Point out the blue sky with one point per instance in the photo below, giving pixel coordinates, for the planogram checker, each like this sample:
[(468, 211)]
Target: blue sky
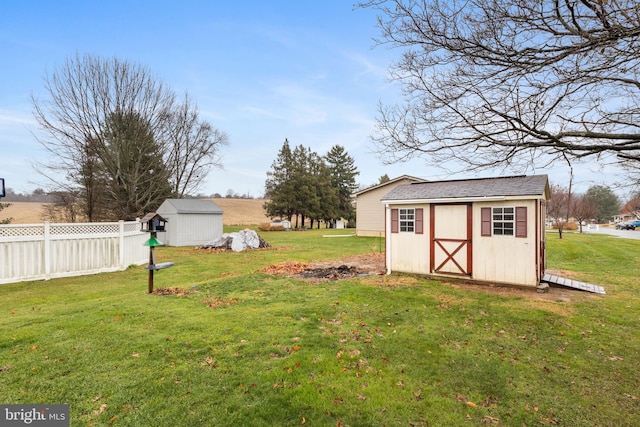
[(261, 71)]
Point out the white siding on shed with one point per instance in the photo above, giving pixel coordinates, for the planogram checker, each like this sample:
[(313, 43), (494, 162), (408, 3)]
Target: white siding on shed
[(410, 251), (452, 241), (190, 222), (505, 259)]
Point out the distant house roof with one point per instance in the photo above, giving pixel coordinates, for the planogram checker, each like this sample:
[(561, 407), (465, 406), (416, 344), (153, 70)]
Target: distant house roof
[(188, 206), (391, 181), (512, 186)]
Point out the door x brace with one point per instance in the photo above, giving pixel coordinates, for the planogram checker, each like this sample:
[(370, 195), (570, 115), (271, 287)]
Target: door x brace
[(451, 255)]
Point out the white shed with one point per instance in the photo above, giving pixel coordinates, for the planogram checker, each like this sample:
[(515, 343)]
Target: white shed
[(487, 230), (190, 222)]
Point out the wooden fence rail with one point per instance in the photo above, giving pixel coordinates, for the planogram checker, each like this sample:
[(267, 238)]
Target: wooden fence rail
[(46, 251)]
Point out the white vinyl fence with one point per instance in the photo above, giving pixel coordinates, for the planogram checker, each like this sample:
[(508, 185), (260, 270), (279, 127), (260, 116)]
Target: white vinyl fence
[(47, 251)]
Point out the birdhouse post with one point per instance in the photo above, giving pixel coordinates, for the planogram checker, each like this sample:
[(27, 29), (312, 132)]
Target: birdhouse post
[(152, 223)]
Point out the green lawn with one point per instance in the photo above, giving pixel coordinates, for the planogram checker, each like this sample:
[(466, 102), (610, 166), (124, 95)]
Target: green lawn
[(378, 351)]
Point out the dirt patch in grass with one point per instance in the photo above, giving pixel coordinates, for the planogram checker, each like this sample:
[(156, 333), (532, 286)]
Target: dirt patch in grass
[(344, 268), (373, 265), (368, 263)]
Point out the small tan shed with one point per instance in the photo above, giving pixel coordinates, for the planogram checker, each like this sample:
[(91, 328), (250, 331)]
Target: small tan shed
[(369, 211), (486, 230)]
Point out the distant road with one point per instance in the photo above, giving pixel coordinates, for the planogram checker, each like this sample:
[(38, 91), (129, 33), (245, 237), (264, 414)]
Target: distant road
[(626, 234)]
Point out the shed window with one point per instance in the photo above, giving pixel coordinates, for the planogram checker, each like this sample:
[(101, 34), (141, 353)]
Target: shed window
[(503, 221), (407, 220)]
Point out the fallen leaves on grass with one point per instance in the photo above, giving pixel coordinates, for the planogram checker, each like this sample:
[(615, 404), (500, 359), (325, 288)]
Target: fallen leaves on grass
[(287, 268), (217, 302), (489, 401), (172, 291), (286, 351), (391, 281), (210, 362), (226, 274), (100, 410)]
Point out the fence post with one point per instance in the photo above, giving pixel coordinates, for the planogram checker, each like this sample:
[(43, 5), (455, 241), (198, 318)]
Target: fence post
[(121, 240), (47, 250)]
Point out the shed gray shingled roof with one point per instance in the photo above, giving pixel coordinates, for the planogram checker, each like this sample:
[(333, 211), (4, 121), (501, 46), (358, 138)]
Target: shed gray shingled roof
[(534, 185)]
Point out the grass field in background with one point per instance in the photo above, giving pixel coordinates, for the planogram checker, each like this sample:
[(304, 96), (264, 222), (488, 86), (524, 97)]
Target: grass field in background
[(240, 347)]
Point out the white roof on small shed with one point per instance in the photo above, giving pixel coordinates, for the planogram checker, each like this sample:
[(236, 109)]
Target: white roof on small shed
[(189, 206)]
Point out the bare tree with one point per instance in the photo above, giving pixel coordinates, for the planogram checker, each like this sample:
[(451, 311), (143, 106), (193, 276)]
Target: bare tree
[(110, 128), (84, 94), (558, 206), (6, 220), (64, 208), (504, 82), (633, 205), (193, 148), (583, 209)]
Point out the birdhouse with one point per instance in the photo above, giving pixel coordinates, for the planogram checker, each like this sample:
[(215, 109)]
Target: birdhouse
[(152, 222)]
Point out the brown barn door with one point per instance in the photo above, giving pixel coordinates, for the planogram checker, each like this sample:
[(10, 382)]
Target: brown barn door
[(451, 239)]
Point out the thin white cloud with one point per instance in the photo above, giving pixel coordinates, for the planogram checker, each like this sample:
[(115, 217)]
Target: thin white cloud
[(263, 112), (10, 119), (366, 66)]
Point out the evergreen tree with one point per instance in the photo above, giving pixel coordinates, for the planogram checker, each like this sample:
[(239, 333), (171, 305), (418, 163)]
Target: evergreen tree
[(138, 180), (343, 175), (279, 186), (305, 195), (326, 201), (309, 186)]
